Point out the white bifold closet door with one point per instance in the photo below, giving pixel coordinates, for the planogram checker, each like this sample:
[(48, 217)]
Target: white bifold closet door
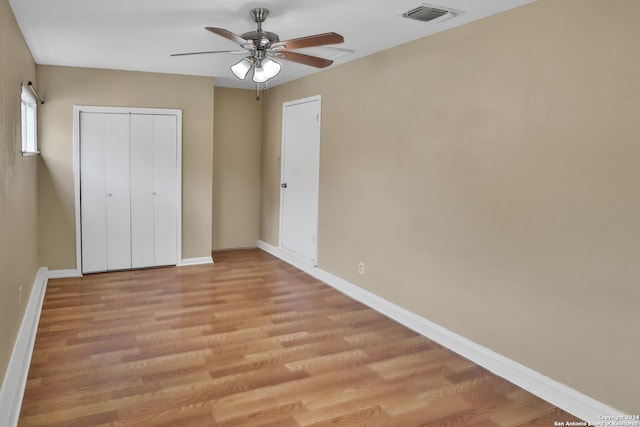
[(105, 197), (128, 191), (153, 190)]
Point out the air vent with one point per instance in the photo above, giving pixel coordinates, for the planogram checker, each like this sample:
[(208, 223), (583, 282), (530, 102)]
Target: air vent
[(426, 13)]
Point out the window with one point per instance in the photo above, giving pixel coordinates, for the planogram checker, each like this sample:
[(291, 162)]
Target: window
[(29, 122)]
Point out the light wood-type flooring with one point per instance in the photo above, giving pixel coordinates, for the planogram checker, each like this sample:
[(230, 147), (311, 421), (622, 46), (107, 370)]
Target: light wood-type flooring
[(249, 341)]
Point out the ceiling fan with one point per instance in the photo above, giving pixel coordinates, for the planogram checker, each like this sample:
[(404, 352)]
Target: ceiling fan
[(262, 47)]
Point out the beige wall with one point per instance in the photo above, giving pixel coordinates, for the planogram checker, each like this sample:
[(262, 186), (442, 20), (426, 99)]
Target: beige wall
[(18, 191), (236, 168), (65, 87), (488, 177)]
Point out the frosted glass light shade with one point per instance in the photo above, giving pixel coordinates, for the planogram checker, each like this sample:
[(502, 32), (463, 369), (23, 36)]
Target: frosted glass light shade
[(241, 68), (267, 69)]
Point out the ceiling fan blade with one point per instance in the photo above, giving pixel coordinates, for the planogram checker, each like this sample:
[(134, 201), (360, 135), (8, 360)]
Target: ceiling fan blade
[(209, 51), (228, 35), (309, 41), (314, 61)]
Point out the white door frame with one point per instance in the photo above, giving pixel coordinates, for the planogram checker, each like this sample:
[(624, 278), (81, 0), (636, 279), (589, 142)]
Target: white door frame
[(318, 98), (77, 109)]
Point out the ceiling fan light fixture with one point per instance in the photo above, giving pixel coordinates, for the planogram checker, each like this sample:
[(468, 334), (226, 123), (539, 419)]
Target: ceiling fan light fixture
[(265, 70), (240, 69), (261, 46)]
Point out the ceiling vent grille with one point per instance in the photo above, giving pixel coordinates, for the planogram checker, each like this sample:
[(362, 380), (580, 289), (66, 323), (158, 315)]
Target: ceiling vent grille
[(426, 13)]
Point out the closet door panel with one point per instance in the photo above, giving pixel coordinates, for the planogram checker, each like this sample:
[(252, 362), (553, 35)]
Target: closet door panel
[(104, 191), (93, 209), (165, 189), (142, 189), (117, 181)]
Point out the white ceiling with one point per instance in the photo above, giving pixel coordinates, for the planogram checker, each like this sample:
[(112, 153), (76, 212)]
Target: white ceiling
[(139, 35)]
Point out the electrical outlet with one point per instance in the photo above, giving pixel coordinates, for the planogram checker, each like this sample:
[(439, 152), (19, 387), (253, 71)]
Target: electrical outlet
[(360, 268), (20, 295)]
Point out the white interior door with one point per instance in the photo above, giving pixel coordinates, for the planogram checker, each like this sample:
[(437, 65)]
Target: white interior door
[(300, 177), (104, 189)]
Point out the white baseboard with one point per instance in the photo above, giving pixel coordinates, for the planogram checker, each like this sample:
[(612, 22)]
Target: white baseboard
[(558, 394), (15, 380), (196, 261), (71, 273), (64, 274)]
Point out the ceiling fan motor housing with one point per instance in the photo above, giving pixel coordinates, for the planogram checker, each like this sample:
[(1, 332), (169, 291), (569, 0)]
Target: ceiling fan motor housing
[(261, 39)]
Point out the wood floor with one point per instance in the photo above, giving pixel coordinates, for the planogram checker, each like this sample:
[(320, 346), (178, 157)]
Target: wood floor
[(249, 341)]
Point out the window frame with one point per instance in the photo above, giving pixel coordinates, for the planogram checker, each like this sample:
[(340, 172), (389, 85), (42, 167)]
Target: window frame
[(28, 121)]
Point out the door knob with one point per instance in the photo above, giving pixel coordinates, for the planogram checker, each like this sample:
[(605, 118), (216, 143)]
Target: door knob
[(283, 185)]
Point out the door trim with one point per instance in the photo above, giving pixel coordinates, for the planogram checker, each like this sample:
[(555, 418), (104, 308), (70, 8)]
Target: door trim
[(313, 262), (77, 109)]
